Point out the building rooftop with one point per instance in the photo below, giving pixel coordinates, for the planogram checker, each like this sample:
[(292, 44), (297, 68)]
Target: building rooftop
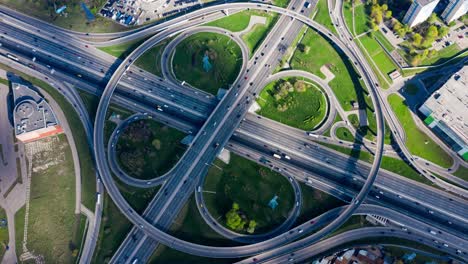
[(424, 2), (31, 111), (449, 104)]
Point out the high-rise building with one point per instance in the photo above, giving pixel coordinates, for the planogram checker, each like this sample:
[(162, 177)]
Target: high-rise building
[(446, 112), (454, 10), (419, 11)]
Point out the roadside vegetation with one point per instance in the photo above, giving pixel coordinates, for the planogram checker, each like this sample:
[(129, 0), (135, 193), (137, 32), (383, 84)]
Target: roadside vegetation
[(388, 163), (151, 60), (315, 203), (313, 52), (75, 18), (231, 192), (223, 54), (417, 141), (239, 21), (4, 240), (462, 173), (190, 226), (257, 34), (52, 218), (115, 226), (147, 149), (322, 15), (344, 134), (296, 102)]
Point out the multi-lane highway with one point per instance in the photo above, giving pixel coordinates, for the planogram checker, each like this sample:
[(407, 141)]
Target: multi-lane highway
[(192, 114)]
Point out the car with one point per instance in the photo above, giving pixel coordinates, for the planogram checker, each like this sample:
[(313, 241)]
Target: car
[(312, 222), (300, 230), (86, 46), (215, 145), (245, 78)]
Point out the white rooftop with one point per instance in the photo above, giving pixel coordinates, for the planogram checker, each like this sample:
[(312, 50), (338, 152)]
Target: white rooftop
[(450, 103)]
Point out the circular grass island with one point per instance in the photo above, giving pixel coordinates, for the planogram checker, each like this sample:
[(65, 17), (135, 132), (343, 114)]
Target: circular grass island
[(147, 149), (207, 61), (296, 102), (251, 187)]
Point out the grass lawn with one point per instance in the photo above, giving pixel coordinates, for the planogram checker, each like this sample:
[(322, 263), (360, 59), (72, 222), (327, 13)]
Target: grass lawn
[(88, 180), (411, 88), (123, 50), (237, 21), (223, 53), (251, 186), (384, 41), (257, 34), (417, 141), (190, 226), (323, 16), (344, 134), (151, 60), (388, 163), (115, 226), (114, 229), (337, 119), (52, 219), (147, 149), (306, 111), (443, 55), (281, 3), (354, 222), (378, 55), (315, 203), (345, 85), (361, 19), (462, 173), (75, 20), (3, 233)]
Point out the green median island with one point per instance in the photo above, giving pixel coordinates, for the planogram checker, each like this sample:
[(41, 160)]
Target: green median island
[(207, 61), (247, 197), (147, 149), (295, 102)]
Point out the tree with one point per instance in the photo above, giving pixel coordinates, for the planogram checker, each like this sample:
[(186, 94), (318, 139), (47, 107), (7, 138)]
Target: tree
[(300, 86), (416, 59), (233, 219), (417, 38), (443, 31), (251, 228), (388, 14), (432, 18), (301, 47), (397, 25), (432, 32), (432, 53), (384, 7)]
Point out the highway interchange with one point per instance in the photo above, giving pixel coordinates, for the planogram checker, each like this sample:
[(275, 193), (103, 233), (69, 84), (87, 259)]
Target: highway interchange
[(190, 120)]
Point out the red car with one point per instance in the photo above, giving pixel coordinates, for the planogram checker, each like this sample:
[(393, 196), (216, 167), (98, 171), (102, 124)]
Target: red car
[(245, 78), (312, 222)]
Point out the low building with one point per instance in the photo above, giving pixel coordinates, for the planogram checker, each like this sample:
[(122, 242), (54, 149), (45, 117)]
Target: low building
[(419, 11), (446, 112), (454, 10), (33, 117)]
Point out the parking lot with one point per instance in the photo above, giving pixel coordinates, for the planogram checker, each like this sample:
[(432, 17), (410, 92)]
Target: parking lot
[(137, 12)]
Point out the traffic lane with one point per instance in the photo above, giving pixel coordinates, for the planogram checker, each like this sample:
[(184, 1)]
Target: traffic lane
[(347, 165)]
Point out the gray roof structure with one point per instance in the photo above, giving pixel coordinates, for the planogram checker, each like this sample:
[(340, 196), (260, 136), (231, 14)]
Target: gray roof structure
[(450, 104), (31, 111)]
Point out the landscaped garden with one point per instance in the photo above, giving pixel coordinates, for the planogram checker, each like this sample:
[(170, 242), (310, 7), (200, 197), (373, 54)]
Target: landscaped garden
[(147, 149), (207, 61), (243, 188), (296, 102)]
